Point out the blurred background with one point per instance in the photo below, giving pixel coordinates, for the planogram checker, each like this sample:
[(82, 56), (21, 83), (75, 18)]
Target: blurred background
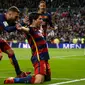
[(68, 17)]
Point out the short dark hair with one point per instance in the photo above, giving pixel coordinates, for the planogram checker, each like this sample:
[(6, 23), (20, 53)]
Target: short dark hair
[(42, 1), (33, 16), (14, 9)]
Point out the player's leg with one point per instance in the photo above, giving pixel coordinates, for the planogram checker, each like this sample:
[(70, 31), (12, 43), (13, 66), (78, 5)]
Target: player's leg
[(39, 78), (12, 80), (42, 72), (39, 71), (8, 50), (1, 54), (48, 72)]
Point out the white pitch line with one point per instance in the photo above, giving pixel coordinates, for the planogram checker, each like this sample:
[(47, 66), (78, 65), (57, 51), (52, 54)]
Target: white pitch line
[(67, 56), (61, 79), (77, 80), (70, 58)]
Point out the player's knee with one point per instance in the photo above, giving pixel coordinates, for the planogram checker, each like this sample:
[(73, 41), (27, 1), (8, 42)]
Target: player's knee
[(39, 79)]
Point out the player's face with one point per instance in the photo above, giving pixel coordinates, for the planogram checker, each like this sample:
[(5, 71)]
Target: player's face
[(13, 16), (42, 6), (39, 21)]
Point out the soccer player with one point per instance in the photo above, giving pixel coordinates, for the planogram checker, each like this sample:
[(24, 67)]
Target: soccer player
[(42, 9), (7, 23), (40, 55)]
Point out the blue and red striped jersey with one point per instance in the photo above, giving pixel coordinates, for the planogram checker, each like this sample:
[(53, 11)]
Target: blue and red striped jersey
[(47, 21), (38, 45), (47, 18)]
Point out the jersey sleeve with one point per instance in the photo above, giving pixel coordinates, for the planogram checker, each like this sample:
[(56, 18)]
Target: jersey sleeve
[(6, 26)]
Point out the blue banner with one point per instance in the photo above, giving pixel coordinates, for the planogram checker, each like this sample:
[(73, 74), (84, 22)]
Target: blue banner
[(61, 45)]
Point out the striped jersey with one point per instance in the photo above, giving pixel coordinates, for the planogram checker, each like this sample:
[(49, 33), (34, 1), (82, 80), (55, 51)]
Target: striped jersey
[(48, 21), (38, 45)]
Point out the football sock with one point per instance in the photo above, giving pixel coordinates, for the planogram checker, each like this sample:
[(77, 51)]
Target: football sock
[(15, 63), (23, 80)]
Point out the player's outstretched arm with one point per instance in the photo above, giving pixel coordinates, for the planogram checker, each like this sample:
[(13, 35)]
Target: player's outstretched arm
[(22, 28), (25, 29)]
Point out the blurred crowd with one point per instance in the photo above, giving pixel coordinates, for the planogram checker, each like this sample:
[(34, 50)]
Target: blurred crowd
[(69, 23), (34, 3), (19, 3)]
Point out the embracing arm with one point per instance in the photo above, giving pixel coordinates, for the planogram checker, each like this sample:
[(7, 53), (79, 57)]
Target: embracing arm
[(25, 29), (5, 26), (21, 28), (10, 28)]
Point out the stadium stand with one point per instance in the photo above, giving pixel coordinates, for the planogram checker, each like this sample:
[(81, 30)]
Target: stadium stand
[(69, 22)]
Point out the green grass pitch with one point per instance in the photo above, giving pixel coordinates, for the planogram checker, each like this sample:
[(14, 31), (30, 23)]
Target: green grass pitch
[(67, 66)]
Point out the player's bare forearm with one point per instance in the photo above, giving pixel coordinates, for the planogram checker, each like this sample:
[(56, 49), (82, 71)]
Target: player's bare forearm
[(22, 28), (25, 29)]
